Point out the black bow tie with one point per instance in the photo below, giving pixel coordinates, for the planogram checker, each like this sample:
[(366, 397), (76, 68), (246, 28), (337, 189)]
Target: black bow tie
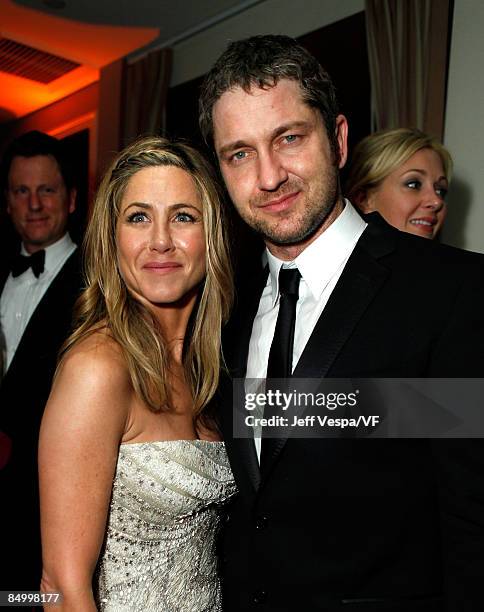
[(21, 263)]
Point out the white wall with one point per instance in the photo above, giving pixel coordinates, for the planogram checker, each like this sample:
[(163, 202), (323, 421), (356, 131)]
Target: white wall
[(195, 56), (464, 127)]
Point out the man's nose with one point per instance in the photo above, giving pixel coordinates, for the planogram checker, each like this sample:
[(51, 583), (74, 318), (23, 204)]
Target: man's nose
[(35, 201), (161, 239), (272, 172)]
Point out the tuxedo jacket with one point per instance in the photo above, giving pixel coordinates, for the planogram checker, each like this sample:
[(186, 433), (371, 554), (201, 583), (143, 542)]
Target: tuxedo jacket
[(23, 394), (376, 525)]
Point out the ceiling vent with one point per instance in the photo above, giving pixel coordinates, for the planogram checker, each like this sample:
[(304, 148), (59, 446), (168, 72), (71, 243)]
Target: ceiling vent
[(30, 63)]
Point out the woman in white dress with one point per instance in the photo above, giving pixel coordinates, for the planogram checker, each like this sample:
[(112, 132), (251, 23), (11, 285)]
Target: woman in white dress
[(133, 474)]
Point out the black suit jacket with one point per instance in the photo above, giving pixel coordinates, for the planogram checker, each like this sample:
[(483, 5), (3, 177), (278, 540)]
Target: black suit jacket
[(23, 394), (358, 524)]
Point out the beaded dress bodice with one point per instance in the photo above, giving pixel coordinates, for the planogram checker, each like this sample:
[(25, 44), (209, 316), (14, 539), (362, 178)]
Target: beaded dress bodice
[(159, 551)]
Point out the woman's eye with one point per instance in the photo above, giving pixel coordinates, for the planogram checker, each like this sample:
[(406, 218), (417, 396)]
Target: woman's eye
[(441, 191), (184, 217), (137, 217), (413, 184)]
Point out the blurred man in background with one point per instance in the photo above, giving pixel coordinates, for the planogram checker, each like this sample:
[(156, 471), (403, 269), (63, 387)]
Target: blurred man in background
[(39, 285)]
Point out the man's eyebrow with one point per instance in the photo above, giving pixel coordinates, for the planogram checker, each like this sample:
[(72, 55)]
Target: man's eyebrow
[(231, 146), (286, 127)]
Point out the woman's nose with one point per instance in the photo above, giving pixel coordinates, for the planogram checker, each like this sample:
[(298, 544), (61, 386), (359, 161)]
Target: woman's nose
[(160, 237), (434, 200)]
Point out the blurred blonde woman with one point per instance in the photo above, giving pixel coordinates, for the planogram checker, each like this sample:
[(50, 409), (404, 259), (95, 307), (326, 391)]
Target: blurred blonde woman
[(132, 470), (403, 174)]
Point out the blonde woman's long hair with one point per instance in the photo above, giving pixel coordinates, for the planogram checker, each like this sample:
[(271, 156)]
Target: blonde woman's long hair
[(106, 302), (379, 154)]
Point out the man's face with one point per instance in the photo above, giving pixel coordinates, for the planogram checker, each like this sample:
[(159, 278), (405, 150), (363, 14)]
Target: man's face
[(277, 163), (38, 201)]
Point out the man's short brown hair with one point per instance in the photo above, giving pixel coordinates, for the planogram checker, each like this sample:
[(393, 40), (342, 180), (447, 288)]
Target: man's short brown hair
[(262, 61)]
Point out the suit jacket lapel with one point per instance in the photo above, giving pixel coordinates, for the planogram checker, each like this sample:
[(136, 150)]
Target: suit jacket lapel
[(5, 271), (359, 283), (56, 303)]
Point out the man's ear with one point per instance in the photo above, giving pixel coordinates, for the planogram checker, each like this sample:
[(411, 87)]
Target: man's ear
[(72, 199), (341, 133)]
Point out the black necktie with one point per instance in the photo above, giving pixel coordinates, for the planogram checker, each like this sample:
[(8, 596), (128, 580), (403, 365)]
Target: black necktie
[(21, 263), (280, 355)]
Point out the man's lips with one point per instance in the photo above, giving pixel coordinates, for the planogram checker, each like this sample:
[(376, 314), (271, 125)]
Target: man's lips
[(280, 204), (37, 220)]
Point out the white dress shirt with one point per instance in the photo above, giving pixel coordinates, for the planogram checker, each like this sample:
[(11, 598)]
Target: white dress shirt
[(321, 265), (21, 295)]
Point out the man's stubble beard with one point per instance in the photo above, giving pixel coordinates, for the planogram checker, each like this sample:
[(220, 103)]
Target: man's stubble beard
[(306, 221)]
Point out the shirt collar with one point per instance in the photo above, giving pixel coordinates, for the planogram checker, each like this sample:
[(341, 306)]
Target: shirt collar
[(54, 252), (322, 258)]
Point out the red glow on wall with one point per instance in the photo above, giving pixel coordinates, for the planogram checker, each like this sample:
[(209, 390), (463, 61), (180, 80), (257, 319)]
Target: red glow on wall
[(92, 46)]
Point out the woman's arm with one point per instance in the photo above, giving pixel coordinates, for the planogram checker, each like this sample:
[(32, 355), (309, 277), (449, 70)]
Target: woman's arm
[(80, 435)]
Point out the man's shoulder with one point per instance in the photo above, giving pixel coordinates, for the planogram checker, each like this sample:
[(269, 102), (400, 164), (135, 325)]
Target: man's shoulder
[(69, 276), (417, 251), (73, 263)]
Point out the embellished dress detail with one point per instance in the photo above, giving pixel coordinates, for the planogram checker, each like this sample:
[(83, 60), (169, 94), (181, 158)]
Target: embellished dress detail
[(159, 552)]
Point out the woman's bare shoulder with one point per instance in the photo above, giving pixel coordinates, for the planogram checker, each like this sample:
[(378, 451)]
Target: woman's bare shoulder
[(92, 388), (96, 356), (93, 370)]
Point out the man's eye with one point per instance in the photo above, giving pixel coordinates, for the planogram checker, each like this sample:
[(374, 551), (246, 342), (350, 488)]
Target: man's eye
[(239, 155), (47, 190), (137, 217), (290, 138), (20, 191), (184, 217)]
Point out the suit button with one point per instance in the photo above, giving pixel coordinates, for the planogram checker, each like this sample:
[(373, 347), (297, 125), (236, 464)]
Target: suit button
[(259, 597), (261, 522)]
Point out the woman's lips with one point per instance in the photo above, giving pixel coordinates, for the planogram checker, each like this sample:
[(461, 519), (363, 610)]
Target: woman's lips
[(424, 224), (162, 267)]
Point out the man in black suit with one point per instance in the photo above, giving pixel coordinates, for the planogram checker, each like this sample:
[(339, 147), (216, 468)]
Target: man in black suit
[(38, 290), (380, 525)]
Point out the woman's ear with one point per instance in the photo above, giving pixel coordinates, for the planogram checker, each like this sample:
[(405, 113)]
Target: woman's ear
[(361, 199)]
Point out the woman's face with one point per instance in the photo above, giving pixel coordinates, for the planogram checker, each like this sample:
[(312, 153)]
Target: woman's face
[(411, 198), (160, 236)]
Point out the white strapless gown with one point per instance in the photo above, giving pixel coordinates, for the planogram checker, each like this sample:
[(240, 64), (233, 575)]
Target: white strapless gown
[(159, 552)]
